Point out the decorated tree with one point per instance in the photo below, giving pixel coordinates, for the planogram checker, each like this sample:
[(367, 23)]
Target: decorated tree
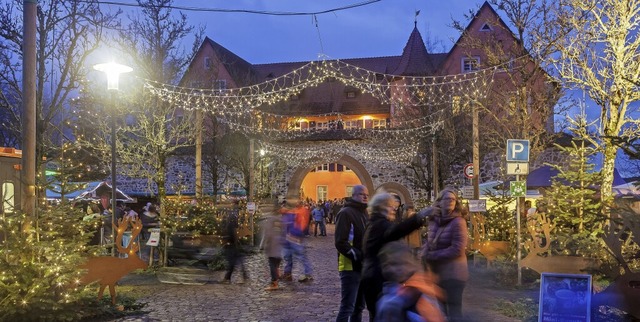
[(573, 200), (598, 55)]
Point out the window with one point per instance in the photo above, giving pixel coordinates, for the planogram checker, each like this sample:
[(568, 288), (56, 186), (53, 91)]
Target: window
[(347, 168), (351, 94), (349, 191), (379, 124), (353, 124), (299, 125), (220, 85), (207, 62), (322, 125), (470, 64), (485, 27), (322, 192), (323, 167), (8, 196)]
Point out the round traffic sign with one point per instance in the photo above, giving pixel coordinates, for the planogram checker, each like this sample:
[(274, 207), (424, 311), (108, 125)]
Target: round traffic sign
[(468, 171)]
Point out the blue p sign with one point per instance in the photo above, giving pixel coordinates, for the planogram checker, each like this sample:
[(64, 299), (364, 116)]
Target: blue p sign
[(517, 150)]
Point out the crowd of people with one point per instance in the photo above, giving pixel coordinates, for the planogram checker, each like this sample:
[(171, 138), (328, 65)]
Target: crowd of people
[(378, 270)]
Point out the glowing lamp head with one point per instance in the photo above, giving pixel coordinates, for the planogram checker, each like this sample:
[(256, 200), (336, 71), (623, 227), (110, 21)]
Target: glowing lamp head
[(113, 71)]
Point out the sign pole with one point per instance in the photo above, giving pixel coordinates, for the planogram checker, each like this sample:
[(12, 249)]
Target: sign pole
[(519, 251)]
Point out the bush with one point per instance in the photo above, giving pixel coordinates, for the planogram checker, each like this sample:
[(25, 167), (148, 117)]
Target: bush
[(39, 259)]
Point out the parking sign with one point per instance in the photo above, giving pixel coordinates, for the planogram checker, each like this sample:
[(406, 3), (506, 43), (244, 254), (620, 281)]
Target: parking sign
[(517, 150)]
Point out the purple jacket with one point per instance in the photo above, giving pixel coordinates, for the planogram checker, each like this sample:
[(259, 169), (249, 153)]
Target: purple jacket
[(447, 256)]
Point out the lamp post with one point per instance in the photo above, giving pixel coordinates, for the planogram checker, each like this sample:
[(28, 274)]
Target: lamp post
[(113, 71)]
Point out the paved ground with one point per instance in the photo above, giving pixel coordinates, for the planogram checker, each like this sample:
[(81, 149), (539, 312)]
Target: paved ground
[(315, 301)]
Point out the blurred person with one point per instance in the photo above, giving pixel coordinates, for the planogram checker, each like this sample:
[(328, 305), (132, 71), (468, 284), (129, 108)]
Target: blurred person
[(272, 241), (232, 247), (409, 294), (150, 219), (351, 221), (382, 229), (444, 250), (295, 220), (318, 216)]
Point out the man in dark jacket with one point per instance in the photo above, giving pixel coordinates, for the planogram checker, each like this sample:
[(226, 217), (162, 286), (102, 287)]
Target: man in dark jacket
[(350, 226)]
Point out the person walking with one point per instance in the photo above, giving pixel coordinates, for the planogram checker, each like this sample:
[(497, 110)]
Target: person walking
[(444, 250), (318, 216), (382, 229), (232, 249), (295, 221), (272, 240), (349, 234)]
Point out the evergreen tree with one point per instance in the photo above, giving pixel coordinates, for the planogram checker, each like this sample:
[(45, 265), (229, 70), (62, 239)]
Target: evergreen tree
[(573, 200)]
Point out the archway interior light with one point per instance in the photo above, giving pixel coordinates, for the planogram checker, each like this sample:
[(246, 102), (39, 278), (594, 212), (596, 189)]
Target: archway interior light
[(417, 108)]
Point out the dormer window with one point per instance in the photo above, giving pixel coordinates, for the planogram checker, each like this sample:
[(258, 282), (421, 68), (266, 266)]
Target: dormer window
[(485, 27), (470, 64), (207, 62), (351, 94)]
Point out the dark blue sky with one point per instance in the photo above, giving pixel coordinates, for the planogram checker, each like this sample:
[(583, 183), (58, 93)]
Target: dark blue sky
[(378, 29)]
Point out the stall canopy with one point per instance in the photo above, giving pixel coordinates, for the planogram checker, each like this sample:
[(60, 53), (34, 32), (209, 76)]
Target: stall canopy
[(95, 190)]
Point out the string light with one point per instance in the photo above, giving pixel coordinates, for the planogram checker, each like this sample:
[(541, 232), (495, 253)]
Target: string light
[(250, 110)]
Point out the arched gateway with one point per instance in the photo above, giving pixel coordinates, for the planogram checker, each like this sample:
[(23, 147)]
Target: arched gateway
[(363, 175)]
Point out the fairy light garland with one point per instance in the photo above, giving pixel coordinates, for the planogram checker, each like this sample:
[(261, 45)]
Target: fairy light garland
[(250, 110)]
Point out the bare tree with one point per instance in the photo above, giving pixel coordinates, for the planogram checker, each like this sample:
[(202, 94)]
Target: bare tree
[(600, 57), (68, 32), (153, 42)]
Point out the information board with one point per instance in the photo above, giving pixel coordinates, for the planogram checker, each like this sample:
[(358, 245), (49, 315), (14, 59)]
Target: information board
[(154, 237), (564, 297)]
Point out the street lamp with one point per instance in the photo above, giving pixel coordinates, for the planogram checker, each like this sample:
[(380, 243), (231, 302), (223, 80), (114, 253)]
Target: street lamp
[(113, 71)]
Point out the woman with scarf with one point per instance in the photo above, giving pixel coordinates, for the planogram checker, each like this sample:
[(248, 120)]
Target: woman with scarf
[(444, 250)]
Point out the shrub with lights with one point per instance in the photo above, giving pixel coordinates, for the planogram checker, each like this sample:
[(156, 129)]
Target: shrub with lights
[(39, 259)]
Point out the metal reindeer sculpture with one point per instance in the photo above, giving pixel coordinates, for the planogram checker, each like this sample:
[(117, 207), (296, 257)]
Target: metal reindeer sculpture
[(490, 249), (551, 263), (624, 291), (109, 270)]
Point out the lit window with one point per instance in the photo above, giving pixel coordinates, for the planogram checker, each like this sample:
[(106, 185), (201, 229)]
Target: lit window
[(379, 124), (8, 196), (322, 125), (470, 64), (352, 124), (322, 192)]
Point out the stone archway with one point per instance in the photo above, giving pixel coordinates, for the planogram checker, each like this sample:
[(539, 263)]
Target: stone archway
[(298, 175), (402, 191)]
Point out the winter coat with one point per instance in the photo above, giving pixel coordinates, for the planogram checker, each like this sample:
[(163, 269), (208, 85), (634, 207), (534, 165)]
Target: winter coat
[(446, 257), (349, 234), (379, 232), (273, 236)]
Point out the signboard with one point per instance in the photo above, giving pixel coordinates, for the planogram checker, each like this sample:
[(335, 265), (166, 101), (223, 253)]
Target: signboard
[(251, 207), (564, 297), (518, 188), (479, 205), (154, 237), (517, 150), (467, 192), (468, 171), (517, 168)]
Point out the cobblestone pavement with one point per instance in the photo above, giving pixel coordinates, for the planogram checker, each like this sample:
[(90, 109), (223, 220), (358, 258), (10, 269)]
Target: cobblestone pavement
[(315, 301)]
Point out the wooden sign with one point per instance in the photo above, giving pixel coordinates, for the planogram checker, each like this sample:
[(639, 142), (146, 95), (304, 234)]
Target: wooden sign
[(565, 297)]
